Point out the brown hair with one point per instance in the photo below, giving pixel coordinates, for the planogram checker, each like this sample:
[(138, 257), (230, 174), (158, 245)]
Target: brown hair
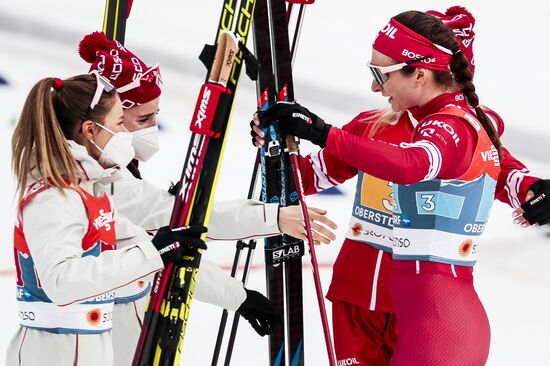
[(50, 117), (460, 74)]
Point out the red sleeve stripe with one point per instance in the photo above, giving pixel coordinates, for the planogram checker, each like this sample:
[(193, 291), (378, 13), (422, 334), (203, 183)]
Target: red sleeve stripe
[(434, 156), (321, 178), (513, 184), (324, 168)]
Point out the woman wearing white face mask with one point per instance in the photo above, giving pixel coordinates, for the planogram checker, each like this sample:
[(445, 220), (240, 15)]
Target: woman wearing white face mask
[(151, 207), (141, 121), (73, 250), (118, 151)]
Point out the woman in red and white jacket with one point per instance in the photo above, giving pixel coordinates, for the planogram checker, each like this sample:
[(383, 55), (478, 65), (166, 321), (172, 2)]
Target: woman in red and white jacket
[(437, 150), (72, 248)]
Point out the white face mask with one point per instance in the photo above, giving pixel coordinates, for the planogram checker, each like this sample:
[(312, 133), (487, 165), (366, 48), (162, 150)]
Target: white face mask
[(146, 142), (118, 151)]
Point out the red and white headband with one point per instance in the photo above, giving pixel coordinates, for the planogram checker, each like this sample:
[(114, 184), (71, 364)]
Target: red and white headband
[(402, 44)]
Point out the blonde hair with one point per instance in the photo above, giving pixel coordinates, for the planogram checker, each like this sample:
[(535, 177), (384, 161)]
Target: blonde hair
[(48, 119), (380, 120)]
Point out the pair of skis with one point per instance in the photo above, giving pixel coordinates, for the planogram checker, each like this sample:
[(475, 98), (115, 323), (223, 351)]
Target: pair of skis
[(166, 316), (291, 188), (281, 183), (261, 25)]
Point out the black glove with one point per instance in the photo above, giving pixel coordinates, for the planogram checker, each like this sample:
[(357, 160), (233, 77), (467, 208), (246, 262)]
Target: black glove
[(293, 119), (174, 188), (260, 312), (171, 243), (537, 209)]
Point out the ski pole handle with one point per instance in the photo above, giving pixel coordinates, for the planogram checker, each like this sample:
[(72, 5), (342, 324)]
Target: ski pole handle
[(292, 145)]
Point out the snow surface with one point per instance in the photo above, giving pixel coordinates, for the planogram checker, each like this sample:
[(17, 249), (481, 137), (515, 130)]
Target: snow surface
[(39, 39)]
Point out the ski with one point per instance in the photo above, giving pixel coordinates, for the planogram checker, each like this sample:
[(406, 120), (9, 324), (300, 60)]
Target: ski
[(292, 249), (282, 59), (166, 317), (270, 158), (265, 98), (114, 19)]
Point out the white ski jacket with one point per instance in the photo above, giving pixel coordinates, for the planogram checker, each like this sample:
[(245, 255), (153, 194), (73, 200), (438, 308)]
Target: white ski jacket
[(54, 225)]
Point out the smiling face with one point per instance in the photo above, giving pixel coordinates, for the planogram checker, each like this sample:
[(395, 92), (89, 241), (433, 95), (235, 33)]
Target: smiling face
[(403, 90), (142, 116)]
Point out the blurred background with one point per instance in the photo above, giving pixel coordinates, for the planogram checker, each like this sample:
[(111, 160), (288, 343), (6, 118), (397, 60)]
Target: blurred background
[(40, 39)]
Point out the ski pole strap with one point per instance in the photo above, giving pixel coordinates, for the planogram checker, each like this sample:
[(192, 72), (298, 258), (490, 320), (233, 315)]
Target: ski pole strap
[(284, 253), (207, 55), (251, 63)]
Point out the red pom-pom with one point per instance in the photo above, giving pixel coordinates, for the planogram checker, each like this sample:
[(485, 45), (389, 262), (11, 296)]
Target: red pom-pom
[(92, 43), (459, 10)]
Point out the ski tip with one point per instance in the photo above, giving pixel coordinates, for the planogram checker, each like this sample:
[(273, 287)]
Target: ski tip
[(303, 2)]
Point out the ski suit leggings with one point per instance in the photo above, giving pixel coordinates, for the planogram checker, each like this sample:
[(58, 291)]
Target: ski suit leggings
[(362, 336), (441, 319)]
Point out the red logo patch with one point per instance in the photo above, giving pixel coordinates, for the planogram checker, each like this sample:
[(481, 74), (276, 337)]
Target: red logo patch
[(465, 248), (93, 317), (357, 229)]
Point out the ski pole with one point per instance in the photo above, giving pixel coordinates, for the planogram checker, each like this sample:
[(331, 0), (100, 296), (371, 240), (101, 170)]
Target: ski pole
[(240, 246), (294, 155), (236, 317)]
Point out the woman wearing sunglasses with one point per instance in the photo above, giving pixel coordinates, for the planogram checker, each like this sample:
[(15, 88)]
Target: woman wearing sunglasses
[(365, 328)]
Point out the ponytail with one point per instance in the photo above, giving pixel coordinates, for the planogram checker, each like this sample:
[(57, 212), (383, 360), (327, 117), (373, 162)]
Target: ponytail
[(49, 118), (38, 143), (460, 67)]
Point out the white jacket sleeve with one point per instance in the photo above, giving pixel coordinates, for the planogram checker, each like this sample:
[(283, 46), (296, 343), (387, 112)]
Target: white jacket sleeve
[(215, 287), (243, 219), (54, 226), (151, 208), (141, 202)]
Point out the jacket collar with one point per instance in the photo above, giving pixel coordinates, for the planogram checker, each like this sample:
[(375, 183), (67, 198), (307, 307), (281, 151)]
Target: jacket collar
[(90, 168), (436, 104)]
